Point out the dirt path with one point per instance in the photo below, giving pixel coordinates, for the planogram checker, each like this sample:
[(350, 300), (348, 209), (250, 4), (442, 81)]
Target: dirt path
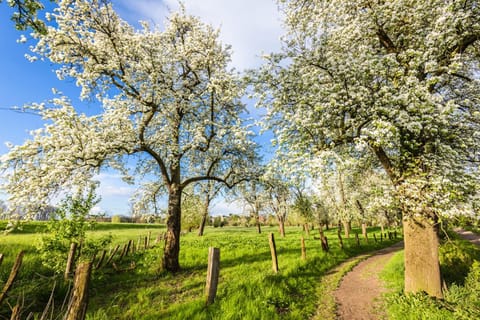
[(357, 296), (468, 235), (360, 288)]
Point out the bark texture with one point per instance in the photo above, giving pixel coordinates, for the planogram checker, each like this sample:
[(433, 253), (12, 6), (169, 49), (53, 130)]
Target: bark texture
[(422, 268), (172, 237)]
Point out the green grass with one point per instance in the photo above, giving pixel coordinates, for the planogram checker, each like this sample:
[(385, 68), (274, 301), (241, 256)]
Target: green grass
[(460, 266), (248, 288)]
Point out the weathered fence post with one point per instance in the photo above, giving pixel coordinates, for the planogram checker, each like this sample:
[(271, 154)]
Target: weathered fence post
[(325, 245), (124, 251), (129, 245), (16, 312), (13, 275), (213, 272), (273, 251), (145, 243), (139, 242), (77, 306), (304, 250), (159, 238), (112, 254), (99, 263), (70, 260)]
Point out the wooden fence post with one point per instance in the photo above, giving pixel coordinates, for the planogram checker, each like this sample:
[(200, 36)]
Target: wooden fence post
[(124, 251), (112, 254), (77, 306), (129, 245), (304, 250), (273, 251), (139, 241), (99, 263), (159, 238), (70, 260), (325, 245), (213, 272), (16, 312), (13, 275)]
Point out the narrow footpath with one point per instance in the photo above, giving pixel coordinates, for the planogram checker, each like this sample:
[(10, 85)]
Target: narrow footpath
[(358, 295), (468, 235), (360, 290)]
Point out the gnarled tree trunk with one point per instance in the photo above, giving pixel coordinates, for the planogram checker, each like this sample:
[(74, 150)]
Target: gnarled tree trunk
[(172, 237), (422, 268)]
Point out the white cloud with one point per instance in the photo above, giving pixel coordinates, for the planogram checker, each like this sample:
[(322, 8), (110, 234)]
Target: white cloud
[(252, 27), (113, 185), (222, 207), (97, 210)]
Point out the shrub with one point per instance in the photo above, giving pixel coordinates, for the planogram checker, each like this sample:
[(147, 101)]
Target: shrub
[(116, 219), (70, 227)]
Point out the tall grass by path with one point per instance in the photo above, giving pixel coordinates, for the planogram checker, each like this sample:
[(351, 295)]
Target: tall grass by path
[(460, 265)]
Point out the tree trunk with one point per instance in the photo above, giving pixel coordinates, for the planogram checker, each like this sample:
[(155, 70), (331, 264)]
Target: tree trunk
[(172, 237), (422, 268), (257, 221), (281, 226), (206, 205), (364, 230), (347, 226), (306, 227)]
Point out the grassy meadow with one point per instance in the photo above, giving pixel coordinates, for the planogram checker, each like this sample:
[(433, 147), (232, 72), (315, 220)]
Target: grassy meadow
[(138, 289)]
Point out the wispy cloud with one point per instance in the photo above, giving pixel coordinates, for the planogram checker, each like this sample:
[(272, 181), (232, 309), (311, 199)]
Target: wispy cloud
[(252, 27), (222, 207), (111, 184)]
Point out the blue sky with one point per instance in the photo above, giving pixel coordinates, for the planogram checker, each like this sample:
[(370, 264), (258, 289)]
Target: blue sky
[(252, 27)]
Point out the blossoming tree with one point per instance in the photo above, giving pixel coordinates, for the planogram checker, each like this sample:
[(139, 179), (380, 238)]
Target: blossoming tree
[(169, 103), (399, 78)]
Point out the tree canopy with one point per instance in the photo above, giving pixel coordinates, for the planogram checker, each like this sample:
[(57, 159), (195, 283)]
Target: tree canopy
[(170, 105), (26, 14)]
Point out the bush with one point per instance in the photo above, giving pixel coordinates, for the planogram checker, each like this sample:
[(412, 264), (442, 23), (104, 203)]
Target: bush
[(116, 219), (70, 227)]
